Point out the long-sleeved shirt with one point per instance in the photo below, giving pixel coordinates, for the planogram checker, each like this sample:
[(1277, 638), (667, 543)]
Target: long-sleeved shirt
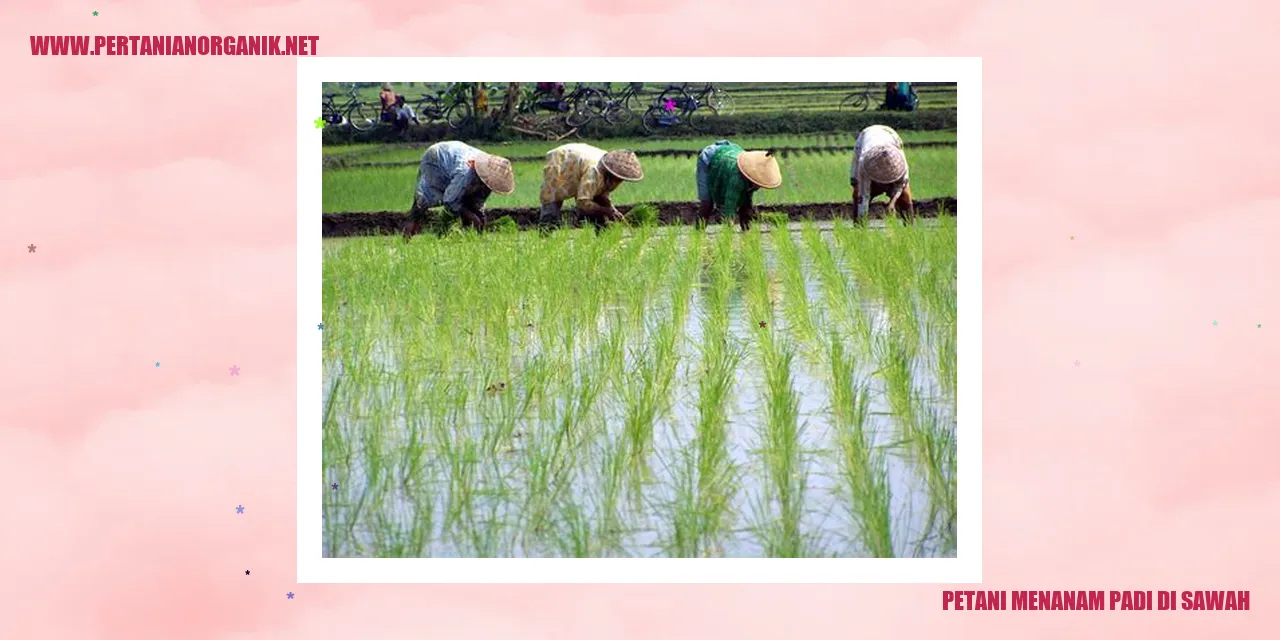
[(870, 138), (444, 176), (728, 187), (573, 171)]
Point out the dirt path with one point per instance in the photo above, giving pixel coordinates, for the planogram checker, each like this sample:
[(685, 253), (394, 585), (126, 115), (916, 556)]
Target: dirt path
[(336, 225)]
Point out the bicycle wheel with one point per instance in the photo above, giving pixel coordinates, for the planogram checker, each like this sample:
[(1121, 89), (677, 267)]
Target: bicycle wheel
[(427, 109), (586, 106), (651, 120), (855, 102), (697, 119), (458, 115), (579, 114), (619, 113), (722, 101), (359, 119)]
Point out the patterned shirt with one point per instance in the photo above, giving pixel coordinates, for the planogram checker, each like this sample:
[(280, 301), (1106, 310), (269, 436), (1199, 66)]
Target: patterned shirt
[(444, 176), (875, 136), (573, 171), (728, 187)]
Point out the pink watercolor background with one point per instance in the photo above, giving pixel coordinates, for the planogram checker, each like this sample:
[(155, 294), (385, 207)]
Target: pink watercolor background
[(160, 194)]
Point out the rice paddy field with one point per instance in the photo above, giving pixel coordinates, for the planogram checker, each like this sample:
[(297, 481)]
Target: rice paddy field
[(642, 392), (815, 169), (645, 391)]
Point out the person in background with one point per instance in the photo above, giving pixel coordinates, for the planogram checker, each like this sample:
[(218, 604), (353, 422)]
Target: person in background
[(727, 178), (394, 109), (461, 178), (899, 96), (388, 99), (588, 175), (880, 167), (552, 95)]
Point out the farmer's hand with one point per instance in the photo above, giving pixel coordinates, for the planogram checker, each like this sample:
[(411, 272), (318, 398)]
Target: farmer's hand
[(615, 214)]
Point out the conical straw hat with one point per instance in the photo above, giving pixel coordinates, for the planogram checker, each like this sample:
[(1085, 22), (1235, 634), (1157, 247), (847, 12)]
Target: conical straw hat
[(761, 168), (884, 164), (624, 164), (495, 172)]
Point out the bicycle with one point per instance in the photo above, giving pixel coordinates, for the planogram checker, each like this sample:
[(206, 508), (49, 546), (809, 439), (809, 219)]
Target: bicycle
[(351, 112), (452, 104), (675, 106), (859, 100), (620, 108), (580, 106), (715, 96)]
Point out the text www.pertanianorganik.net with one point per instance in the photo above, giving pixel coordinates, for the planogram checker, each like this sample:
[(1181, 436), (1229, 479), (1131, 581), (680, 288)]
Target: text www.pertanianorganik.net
[(174, 45)]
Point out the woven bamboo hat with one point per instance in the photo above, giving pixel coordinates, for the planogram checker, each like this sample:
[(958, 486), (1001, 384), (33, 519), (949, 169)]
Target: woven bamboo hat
[(624, 164), (761, 168), (495, 172), (884, 163)]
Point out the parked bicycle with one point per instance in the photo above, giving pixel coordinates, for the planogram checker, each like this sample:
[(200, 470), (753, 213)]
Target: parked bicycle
[(676, 106), (718, 98), (580, 106), (618, 108), (861, 99), (452, 104), (352, 111)]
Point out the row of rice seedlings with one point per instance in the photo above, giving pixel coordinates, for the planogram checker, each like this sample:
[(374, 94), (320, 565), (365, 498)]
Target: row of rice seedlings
[(840, 300), (862, 471), (703, 476), (780, 506), (926, 439), (796, 308), (786, 475)]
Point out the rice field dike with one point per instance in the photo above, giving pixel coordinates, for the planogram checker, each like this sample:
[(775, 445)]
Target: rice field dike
[(644, 390)]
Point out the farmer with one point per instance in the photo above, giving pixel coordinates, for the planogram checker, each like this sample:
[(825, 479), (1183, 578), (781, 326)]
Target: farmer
[(879, 167), (552, 95), (899, 96), (588, 175), (394, 109), (729, 176), (460, 177)]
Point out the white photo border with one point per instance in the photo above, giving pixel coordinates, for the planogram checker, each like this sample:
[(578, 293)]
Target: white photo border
[(966, 567)]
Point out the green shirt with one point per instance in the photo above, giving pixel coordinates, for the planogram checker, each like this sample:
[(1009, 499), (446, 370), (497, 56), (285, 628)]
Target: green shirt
[(725, 181)]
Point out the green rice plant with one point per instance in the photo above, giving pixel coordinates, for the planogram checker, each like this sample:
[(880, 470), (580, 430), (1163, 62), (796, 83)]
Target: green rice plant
[(704, 476), (756, 284), (504, 224), (796, 307), (780, 531), (775, 219), (642, 215), (839, 309), (863, 475)]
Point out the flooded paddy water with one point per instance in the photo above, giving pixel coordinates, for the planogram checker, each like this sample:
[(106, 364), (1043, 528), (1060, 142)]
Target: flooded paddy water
[(642, 392)]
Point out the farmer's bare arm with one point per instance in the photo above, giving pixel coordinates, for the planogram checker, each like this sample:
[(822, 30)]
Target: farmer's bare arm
[(904, 200), (599, 206)]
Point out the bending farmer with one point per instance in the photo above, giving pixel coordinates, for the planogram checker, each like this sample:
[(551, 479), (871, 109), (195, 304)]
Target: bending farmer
[(880, 167), (588, 175), (460, 177), (729, 176)]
